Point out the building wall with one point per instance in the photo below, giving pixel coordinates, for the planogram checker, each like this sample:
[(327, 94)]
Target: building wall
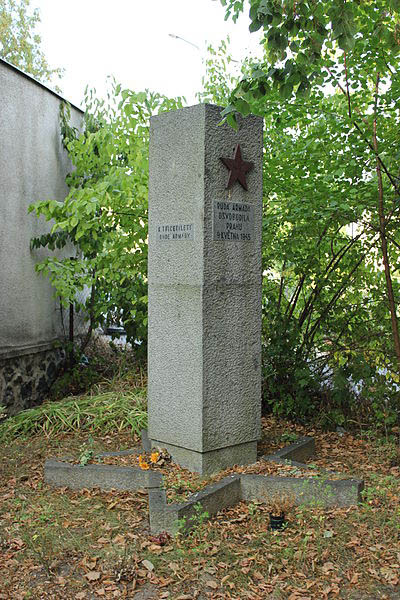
[(33, 166)]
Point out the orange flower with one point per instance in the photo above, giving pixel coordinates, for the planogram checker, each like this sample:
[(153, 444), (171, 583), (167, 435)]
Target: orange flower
[(144, 465), (154, 456)]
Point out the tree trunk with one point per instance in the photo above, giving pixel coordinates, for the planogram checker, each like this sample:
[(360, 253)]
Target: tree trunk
[(383, 237)]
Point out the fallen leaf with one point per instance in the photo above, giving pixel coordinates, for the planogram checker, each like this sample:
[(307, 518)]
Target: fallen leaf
[(212, 584), (148, 565), (102, 541), (119, 540), (164, 581), (142, 572), (93, 575), (258, 575), (155, 548), (328, 566), (328, 534)]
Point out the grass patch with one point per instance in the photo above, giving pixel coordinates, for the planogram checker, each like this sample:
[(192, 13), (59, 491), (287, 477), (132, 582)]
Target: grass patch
[(106, 412)]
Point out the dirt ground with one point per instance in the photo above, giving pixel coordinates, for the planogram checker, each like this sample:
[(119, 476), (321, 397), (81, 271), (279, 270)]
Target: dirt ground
[(59, 544)]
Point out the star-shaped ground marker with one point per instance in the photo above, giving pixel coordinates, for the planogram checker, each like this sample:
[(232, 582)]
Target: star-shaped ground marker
[(238, 168)]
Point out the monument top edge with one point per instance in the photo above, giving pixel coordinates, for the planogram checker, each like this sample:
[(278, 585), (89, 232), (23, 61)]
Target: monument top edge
[(201, 106)]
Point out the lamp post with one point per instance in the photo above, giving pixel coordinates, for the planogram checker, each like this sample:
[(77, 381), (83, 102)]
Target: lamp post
[(178, 37)]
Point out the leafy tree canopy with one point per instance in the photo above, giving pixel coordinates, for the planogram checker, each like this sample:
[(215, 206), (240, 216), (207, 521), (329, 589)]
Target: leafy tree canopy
[(19, 43), (308, 42), (330, 239)]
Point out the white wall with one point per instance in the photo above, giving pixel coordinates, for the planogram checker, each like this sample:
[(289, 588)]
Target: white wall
[(33, 166)]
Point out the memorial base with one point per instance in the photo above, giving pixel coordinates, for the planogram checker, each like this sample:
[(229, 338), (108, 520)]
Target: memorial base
[(213, 461)]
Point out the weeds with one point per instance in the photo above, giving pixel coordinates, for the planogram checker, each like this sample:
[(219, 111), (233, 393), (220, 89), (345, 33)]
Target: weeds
[(41, 547), (87, 452), (111, 411)]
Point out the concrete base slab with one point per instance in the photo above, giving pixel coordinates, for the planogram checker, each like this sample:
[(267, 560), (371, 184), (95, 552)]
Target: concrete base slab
[(311, 491), (106, 477), (214, 461), (231, 490), (184, 516), (299, 451)]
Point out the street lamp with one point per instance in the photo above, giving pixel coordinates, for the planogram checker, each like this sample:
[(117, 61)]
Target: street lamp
[(177, 37)]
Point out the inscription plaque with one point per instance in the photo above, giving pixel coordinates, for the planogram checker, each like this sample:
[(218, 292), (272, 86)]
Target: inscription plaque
[(178, 231), (233, 221)]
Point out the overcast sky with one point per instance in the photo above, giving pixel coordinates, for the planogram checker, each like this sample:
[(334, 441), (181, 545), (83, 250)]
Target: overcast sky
[(130, 40)]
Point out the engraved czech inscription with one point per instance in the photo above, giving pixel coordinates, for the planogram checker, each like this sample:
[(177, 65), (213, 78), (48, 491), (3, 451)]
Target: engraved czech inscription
[(167, 233), (233, 221)]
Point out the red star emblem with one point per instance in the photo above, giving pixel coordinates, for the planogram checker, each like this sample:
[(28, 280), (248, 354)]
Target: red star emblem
[(238, 168)]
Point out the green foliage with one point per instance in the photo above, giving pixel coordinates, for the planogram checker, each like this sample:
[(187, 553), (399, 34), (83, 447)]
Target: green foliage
[(102, 413), (290, 437), (324, 304), (219, 77), (326, 324), (87, 452), (75, 380), (102, 224), (200, 515), (306, 42), (290, 389), (19, 43), (193, 523)]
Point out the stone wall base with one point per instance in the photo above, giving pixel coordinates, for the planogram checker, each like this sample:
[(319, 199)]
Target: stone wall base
[(26, 379)]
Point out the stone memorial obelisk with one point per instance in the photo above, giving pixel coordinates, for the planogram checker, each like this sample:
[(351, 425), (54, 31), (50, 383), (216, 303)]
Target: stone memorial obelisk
[(204, 357)]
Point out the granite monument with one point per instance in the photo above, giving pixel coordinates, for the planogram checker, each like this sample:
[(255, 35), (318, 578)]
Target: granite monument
[(204, 358)]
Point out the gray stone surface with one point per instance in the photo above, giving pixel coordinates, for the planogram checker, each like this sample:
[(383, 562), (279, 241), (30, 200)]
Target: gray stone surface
[(234, 488), (313, 491), (158, 511), (299, 451), (212, 499), (186, 515), (146, 445), (147, 592), (306, 490), (106, 477), (33, 166), (213, 461), (204, 294)]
